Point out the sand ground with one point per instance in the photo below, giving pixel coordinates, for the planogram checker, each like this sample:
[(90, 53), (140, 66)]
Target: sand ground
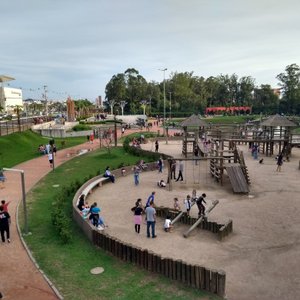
[(262, 255)]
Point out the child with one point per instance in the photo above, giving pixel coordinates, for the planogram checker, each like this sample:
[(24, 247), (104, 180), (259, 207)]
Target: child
[(200, 205), (161, 183), (188, 204), (168, 224), (138, 210), (176, 204)]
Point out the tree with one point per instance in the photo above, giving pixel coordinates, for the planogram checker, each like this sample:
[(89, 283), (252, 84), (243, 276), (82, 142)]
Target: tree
[(246, 88), (290, 83), (265, 100)]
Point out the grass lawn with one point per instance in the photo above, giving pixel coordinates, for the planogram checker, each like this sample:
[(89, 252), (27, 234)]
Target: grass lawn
[(69, 265), (18, 147)]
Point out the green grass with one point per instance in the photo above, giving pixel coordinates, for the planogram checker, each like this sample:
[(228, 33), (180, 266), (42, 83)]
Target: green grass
[(19, 147), (68, 266), (230, 119)]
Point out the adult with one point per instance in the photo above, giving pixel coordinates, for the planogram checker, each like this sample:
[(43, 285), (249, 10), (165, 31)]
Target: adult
[(136, 175), (180, 176), (4, 224), (151, 219), (196, 154), (150, 199), (201, 207), (94, 214), (81, 203), (48, 147), (138, 210), (173, 169), (54, 149), (279, 162), (156, 146), (109, 175), (160, 165)]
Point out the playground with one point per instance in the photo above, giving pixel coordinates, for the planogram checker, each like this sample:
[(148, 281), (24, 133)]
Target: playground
[(261, 256)]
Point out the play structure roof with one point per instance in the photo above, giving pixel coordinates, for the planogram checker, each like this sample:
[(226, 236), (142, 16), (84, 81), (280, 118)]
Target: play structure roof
[(277, 120), (193, 121)]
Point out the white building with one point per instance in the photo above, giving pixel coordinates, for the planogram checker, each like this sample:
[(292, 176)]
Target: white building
[(9, 97)]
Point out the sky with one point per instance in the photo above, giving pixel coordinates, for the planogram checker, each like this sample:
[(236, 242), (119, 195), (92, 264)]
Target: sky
[(74, 47)]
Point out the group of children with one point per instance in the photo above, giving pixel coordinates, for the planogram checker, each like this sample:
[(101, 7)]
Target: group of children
[(138, 209)]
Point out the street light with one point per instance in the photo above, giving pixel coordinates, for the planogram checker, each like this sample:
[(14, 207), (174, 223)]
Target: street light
[(170, 105), (164, 122), (23, 196)]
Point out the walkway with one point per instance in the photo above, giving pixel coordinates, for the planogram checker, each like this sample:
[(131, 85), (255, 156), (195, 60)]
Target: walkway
[(19, 278)]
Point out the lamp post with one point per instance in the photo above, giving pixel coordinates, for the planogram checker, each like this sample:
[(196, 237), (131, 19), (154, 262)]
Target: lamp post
[(23, 196), (170, 106), (164, 120), (144, 104)]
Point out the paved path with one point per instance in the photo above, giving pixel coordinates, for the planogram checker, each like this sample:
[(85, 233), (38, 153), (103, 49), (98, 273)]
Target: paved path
[(19, 277)]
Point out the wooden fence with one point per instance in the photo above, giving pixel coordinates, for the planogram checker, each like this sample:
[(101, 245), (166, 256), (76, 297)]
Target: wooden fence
[(195, 276)]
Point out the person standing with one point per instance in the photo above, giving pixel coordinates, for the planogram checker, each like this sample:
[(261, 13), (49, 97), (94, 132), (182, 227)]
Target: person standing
[(156, 146), (2, 179), (279, 162), (5, 205), (160, 165), (173, 169), (138, 210), (200, 205), (4, 224), (151, 219), (136, 175), (196, 154), (180, 176), (188, 204)]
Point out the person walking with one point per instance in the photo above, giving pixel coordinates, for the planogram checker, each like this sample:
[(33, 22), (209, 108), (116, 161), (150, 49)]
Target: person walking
[(188, 204), (50, 158), (4, 224), (180, 176), (173, 169), (156, 146), (150, 199), (151, 219)]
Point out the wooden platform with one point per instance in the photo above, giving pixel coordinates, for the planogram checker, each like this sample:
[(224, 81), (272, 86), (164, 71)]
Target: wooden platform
[(237, 178)]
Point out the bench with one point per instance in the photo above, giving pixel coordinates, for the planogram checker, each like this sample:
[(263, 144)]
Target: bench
[(93, 184)]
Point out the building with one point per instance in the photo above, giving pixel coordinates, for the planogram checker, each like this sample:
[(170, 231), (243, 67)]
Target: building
[(9, 97)]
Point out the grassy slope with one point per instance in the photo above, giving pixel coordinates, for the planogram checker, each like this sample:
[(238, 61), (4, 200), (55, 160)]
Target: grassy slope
[(18, 147), (68, 266)]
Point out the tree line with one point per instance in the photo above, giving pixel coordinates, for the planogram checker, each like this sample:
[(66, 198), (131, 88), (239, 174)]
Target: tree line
[(186, 93)]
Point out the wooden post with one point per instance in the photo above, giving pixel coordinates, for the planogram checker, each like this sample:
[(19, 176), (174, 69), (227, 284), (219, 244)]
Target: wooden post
[(221, 283), (186, 234)]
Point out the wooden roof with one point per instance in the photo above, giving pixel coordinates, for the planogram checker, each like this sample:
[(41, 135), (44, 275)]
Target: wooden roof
[(193, 121), (277, 120)]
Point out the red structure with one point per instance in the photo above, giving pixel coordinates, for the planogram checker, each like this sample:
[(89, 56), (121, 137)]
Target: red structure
[(230, 109)]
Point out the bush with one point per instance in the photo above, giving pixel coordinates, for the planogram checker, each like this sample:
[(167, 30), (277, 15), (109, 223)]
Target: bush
[(81, 127)]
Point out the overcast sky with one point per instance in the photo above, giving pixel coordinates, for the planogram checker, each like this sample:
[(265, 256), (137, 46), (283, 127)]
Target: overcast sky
[(76, 46)]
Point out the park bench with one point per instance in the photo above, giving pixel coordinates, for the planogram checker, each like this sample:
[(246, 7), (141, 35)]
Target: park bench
[(93, 184)]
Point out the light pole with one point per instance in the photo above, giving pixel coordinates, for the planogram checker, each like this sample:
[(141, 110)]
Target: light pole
[(170, 106), (164, 120), (23, 196), (144, 104)]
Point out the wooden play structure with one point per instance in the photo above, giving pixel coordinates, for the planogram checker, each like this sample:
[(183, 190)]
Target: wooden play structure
[(193, 128)]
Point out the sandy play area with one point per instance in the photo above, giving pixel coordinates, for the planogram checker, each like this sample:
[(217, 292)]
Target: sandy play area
[(261, 257)]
